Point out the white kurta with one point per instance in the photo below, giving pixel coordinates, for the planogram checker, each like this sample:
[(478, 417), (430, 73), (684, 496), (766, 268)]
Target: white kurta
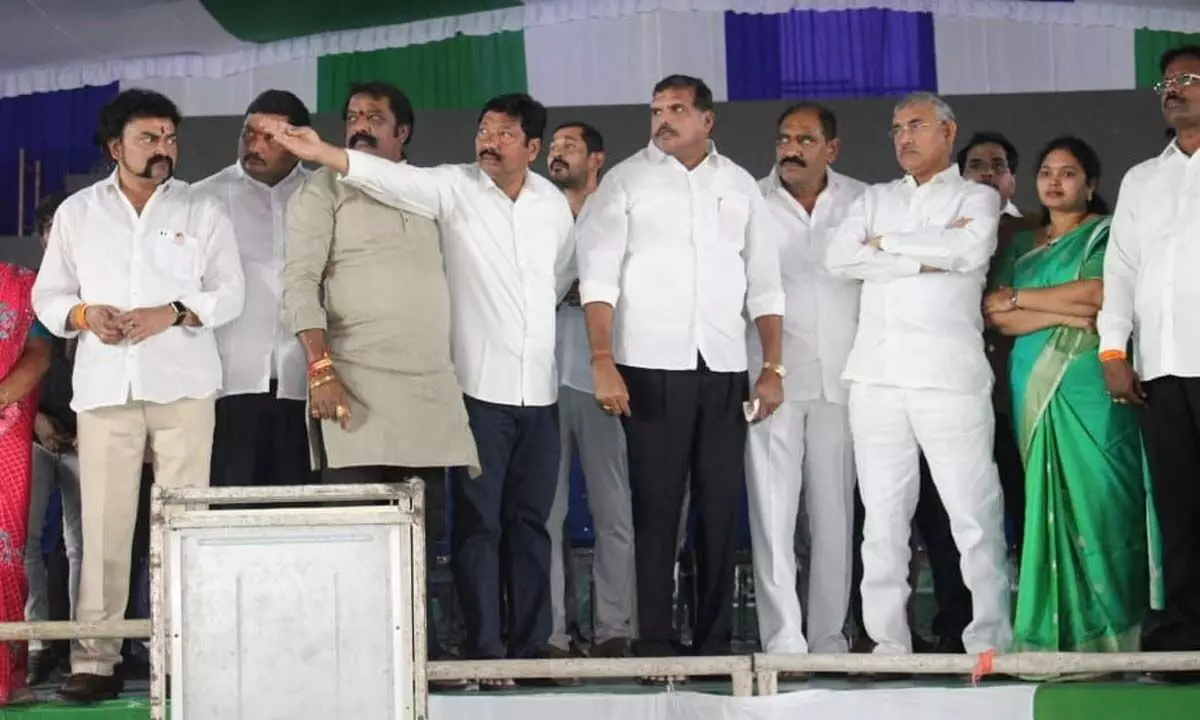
[(920, 382), (804, 448)]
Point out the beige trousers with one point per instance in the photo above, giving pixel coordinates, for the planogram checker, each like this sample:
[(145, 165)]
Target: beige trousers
[(112, 450)]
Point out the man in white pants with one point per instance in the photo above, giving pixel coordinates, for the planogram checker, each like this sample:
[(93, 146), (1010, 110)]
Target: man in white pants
[(919, 377), (574, 163), (806, 443)]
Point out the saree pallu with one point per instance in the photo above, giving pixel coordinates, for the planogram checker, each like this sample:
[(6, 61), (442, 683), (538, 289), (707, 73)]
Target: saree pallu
[(16, 446), (1089, 551)]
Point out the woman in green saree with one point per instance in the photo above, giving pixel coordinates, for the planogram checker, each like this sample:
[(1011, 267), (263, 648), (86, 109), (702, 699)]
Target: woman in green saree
[(1085, 577)]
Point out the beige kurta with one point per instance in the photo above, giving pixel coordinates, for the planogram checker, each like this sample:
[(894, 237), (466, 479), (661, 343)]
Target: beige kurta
[(372, 277)]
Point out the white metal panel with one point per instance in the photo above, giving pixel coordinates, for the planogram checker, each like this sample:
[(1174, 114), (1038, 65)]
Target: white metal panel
[(291, 621)]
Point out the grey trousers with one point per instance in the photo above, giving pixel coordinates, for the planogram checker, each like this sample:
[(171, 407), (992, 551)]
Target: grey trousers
[(601, 444), (50, 471)]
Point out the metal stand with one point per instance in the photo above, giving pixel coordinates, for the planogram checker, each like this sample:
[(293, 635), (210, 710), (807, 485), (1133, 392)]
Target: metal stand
[(347, 564)]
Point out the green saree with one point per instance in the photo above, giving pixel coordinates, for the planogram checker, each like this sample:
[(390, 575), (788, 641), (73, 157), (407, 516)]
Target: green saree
[(1090, 551)]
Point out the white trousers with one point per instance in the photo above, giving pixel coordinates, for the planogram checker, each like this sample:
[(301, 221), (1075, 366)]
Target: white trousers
[(956, 432), (601, 445), (802, 451), (50, 471)]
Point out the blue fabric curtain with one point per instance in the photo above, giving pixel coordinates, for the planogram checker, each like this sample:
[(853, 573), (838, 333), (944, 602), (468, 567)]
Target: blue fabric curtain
[(813, 54), (55, 128)]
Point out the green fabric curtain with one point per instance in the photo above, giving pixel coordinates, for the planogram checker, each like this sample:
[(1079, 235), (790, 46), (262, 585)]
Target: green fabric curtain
[(1149, 45), (462, 72), (268, 20)]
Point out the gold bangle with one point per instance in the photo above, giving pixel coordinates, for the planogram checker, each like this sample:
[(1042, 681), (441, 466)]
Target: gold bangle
[(79, 317), (321, 381)]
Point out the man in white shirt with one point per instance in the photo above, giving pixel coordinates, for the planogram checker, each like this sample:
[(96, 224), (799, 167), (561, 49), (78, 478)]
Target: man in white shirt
[(804, 449), (1150, 297), (676, 247), (141, 269), (919, 377), (506, 232), (261, 435), (574, 161)]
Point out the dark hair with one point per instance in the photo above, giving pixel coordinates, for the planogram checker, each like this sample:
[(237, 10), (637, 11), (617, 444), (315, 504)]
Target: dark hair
[(825, 116), (129, 105), (990, 138), (43, 215), (591, 136), (398, 103), (1183, 51), (281, 102), (703, 96), (520, 106), (1088, 160)]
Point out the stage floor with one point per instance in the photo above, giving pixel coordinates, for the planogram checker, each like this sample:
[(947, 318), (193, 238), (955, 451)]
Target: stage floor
[(832, 699)]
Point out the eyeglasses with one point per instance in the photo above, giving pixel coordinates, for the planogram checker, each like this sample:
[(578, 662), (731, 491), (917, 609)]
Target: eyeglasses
[(1181, 80), (911, 128)]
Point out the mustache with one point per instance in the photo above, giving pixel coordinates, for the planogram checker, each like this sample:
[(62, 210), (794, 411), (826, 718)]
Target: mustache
[(1172, 99), (146, 172), (252, 156), (792, 160), (559, 163), (488, 152), (665, 130), (367, 138)]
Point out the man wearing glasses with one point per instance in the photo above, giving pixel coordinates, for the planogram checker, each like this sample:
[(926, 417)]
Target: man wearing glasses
[(1149, 284), (919, 378)]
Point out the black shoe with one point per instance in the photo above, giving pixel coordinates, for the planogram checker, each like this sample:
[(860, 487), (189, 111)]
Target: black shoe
[(41, 664), (950, 646), (85, 689)]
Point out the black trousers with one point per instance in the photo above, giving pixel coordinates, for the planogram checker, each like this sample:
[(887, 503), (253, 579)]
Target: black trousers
[(260, 440), (1172, 432), (499, 538), (435, 518), (685, 423)]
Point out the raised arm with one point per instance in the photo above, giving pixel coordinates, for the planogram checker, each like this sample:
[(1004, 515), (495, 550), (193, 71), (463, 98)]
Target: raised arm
[(850, 256), (965, 246), (222, 286), (1115, 321)]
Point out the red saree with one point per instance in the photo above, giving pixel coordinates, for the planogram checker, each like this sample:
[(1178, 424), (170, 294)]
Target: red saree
[(16, 445)]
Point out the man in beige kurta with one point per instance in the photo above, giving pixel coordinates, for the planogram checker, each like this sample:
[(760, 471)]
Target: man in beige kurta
[(364, 288)]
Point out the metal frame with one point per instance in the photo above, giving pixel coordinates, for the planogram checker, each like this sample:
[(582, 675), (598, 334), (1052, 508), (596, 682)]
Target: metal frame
[(172, 509)]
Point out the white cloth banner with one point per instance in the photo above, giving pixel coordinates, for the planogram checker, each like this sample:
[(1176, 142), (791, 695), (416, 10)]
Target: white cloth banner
[(200, 96), (983, 57), (1007, 702)]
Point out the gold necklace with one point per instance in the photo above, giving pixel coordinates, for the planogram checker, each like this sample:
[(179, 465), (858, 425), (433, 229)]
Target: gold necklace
[(1050, 240)]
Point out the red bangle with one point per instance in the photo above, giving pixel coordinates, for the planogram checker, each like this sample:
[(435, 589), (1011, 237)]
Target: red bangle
[(1112, 355)]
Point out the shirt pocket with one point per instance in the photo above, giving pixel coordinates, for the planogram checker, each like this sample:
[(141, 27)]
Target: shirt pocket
[(176, 255), (733, 216)]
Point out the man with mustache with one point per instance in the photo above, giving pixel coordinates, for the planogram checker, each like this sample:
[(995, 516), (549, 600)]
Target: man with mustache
[(676, 248), (919, 377), (506, 233), (140, 268), (805, 446), (365, 291), (1150, 297), (261, 435), (575, 160)]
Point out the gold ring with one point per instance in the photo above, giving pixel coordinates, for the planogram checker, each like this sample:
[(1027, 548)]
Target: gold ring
[(339, 412), (606, 408)]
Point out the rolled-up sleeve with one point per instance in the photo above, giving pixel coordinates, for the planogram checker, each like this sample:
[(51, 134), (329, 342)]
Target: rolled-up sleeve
[(764, 285), (56, 289), (424, 191), (954, 249), (222, 286), (310, 223), (601, 238), (1115, 319)]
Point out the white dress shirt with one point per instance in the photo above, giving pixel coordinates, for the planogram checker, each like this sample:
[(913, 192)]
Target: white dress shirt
[(919, 330), (682, 255), (508, 263), (1150, 269), (256, 348), (1011, 210), (822, 311), (102, 252)]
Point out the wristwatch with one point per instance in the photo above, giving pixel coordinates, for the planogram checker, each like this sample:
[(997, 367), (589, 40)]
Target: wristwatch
[(776, 368), (181, 312)]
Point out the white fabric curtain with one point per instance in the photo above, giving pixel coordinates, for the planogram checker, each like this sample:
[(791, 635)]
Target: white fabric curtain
[(616, 61), (981, 57), (200, 96)]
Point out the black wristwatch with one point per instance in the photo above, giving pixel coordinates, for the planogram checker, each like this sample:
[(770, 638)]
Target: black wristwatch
[(181, 312)]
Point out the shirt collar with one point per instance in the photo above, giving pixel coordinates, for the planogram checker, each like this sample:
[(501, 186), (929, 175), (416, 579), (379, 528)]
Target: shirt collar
[(950, 174), (485, 181), (1011, 210), (833, 180), (657, 155)]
